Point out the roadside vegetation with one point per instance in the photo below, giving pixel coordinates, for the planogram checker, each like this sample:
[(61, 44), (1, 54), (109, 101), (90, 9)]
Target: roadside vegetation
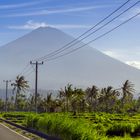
[(77, 114), (82, 126)]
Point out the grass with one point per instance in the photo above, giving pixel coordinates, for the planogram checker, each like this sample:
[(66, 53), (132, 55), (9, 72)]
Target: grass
[(83, 126), (62, 126)]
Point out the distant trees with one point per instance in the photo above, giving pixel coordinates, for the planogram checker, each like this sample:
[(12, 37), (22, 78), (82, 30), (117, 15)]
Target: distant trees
[(72, 99), (1, 105), (105, 99)]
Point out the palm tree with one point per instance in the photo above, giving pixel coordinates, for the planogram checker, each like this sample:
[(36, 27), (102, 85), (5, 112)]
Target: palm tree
[(30, 102), (67, 94), (108, 98), (48, 102), (127, 92), (92, 96), (19, 85), (60, 98), (78, 100)]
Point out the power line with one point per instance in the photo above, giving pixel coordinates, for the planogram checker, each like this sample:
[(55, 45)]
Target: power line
[(26, 72), (56, 51), (64, 47), (33, 67), (95, 38), (96, 29), (26, 69), (29, 73)]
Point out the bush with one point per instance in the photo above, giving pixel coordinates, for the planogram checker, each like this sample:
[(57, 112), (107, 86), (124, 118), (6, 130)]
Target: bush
[(63, 127), (120, 129)]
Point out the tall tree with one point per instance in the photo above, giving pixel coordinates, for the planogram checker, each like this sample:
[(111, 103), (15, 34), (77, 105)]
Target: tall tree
[(20, 85), (92, 96), (48, 102), (78, 100), (108, 98), (127, 93), (67, 94)]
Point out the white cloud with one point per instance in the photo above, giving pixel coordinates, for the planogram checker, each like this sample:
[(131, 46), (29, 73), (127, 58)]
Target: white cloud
[(30, 25), (70, 26), (135, 10), (125, 57), (134, 64), (130, 14), (112, 54), (19, 5), (124, 53), (48, 12)]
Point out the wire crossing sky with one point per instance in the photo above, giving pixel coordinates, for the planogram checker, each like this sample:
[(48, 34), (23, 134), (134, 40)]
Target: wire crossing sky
[(65, 47), (74, 17), (76, 40)]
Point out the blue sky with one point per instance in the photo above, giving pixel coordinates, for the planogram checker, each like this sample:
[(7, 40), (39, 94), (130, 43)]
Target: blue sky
[(74, 17)]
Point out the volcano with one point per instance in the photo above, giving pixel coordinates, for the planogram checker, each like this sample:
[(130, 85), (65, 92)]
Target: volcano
[(82, 68)]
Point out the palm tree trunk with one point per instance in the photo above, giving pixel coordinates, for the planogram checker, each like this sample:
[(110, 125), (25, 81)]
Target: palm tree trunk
[(67, 104), (16, 102)]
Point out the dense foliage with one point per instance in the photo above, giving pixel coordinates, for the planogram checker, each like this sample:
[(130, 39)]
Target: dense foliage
[(72, 99), (77, 114), (83, 126)]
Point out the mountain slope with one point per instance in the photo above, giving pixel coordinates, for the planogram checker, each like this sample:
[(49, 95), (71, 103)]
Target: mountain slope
[(82, 68)]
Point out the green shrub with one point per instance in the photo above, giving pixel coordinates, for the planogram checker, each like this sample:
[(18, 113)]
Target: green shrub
[(63, 127), (120, 129)]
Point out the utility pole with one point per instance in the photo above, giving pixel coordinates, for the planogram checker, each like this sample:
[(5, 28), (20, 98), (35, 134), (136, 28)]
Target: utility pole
[(6, 98), (36, 63)]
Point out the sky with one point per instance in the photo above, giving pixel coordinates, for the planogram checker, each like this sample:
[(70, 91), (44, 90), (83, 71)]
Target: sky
[(74, 17)]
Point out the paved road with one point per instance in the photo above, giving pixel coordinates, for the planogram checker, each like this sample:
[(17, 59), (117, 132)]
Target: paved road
[(7, 134)]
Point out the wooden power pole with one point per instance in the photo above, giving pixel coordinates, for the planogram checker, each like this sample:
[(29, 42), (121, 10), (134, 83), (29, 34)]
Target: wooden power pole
[(36, 63), (6, 98)]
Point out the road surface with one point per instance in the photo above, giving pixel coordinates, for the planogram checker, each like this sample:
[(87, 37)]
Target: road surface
[(7, 134)]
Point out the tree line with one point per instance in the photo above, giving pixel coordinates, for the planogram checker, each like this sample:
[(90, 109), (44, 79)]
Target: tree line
[(72, 99)]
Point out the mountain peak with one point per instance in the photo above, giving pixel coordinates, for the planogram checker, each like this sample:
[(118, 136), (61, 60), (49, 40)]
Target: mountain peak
[(47, 32), (46, 29), (83, 68)]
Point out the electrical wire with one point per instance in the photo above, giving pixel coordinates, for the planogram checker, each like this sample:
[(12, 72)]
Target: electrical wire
[(95, 30), (45, 58), (70, 43), (95, 38), (28, 74)]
